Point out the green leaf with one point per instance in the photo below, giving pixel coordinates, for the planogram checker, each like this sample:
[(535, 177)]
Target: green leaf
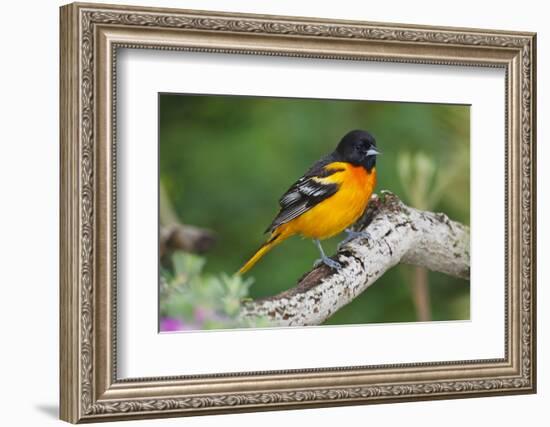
[(186, 264)]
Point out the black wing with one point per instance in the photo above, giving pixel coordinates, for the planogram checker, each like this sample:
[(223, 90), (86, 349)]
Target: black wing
[(305, 193)]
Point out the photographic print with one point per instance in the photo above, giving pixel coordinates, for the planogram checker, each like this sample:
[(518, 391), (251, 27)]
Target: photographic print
[(260, 195), (297, 193)]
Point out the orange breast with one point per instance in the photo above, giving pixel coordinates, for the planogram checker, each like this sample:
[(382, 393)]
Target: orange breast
[(340, 210)]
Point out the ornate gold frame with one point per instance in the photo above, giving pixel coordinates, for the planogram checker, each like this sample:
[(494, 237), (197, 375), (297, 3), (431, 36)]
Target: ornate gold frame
[(90, 36)]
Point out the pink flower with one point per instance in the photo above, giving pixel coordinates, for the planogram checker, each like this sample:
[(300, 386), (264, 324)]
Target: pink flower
[(202, 314), (171, 324)]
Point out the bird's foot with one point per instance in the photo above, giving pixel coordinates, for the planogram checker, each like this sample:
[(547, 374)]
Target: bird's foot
[(352, 234), (328, 262)]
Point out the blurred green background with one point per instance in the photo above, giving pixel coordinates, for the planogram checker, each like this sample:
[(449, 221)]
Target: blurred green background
[(226, 160)]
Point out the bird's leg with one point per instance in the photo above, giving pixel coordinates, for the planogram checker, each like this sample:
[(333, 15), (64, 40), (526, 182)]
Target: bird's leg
[(325, 259), (352, 234)]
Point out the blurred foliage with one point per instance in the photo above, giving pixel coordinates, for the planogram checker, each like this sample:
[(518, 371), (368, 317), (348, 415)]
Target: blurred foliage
[(226, 160), (190, 299)]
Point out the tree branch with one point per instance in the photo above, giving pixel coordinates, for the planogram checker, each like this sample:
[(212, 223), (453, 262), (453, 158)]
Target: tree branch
[(185, 237), (400, 234), (173, 235)]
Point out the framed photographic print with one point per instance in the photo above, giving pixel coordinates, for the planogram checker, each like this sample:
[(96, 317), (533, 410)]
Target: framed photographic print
[(265, 212)]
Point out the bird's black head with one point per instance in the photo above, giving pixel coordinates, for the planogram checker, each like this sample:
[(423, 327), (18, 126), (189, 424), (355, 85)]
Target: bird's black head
[(358, 147)]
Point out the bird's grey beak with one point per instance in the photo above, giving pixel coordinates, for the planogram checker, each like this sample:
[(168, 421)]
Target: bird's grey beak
[(373, 152)]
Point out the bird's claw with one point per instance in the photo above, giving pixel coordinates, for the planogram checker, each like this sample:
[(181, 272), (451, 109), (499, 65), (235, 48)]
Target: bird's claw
[(328, 262), (351, 234)]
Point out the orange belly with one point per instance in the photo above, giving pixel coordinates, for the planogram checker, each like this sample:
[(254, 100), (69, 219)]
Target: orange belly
[(340, 210)]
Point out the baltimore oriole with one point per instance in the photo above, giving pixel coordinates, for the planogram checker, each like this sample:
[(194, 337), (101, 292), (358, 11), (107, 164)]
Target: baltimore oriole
[(328, 198)]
